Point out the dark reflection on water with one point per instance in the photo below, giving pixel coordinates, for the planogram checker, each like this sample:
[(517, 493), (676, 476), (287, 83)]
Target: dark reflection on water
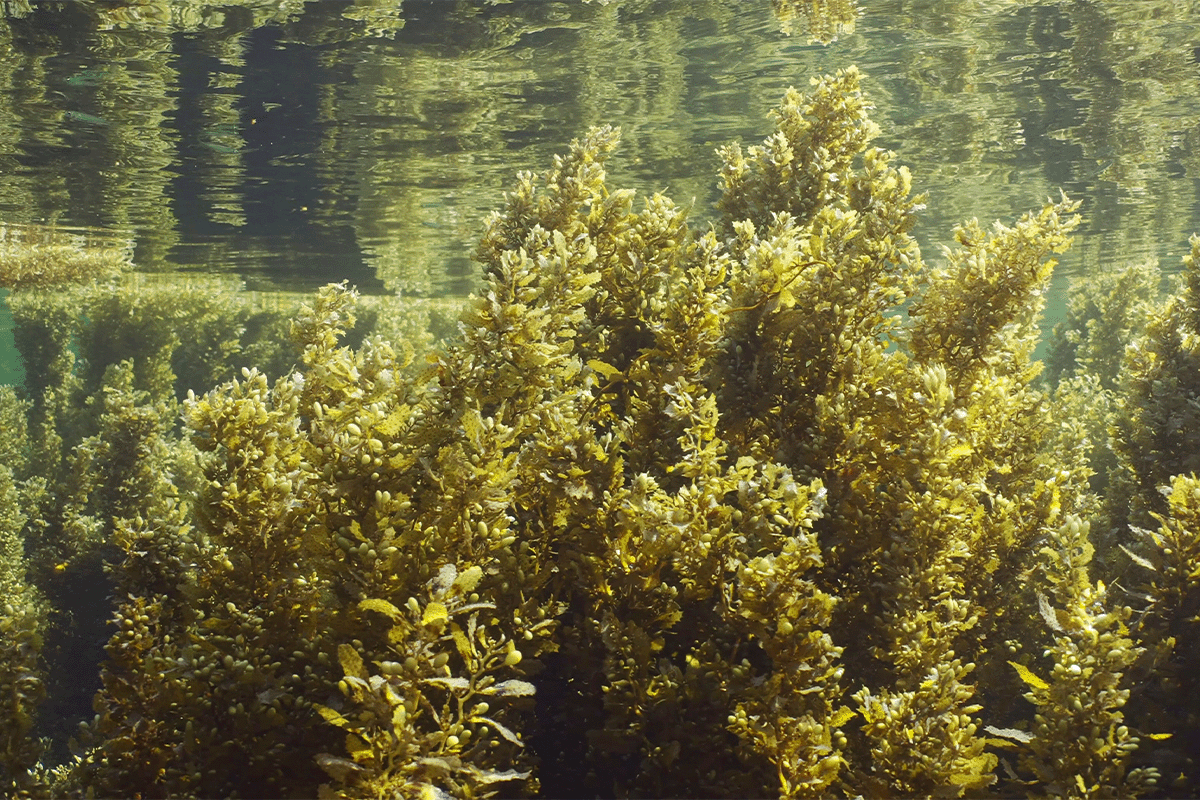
[(298, 143)]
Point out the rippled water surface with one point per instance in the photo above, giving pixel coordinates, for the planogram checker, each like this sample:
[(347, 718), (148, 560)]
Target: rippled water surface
[(295, 143)]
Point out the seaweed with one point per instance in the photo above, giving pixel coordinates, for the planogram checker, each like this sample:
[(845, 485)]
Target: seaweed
[(770, 507)]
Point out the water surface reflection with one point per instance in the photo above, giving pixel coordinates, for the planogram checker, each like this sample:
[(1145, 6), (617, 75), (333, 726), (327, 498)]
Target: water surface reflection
[(298, 143)]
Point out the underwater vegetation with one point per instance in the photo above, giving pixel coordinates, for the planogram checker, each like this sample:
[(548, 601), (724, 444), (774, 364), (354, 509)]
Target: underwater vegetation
[(770, 507)]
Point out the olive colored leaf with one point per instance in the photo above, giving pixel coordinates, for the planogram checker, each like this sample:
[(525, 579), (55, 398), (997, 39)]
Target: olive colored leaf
[(435, 613), (842, 716), (979, 772), (462, 643), (961, 450), (1001, 743), (340, 769), (351, 661), (1135, 558), (607, 370), (381, 606), (1027, 675), (500, 729), (358, 749), (472, 424), (1086, 551), (474, 607), (392, 423), (469, 578), (329, 715)]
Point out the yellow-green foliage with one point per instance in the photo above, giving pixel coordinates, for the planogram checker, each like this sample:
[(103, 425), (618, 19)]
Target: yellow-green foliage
[(677, 512), (1167, 569), (1157, 432), (1105, 314), (124, 341), (615, 446), (932, 452), (22, 681), (46, 258), (1079, 746), (22, 619), (179, 334), (14, 439), (1175, 550), (97, 453), (257, 610)]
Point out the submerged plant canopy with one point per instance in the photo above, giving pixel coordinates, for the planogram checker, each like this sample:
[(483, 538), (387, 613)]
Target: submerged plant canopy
[(767, 507)]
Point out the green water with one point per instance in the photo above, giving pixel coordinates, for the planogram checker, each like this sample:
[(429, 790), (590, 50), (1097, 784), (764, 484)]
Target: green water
[(300, 143)]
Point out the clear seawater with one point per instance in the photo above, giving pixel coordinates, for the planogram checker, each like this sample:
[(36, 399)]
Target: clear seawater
[(297, 143)]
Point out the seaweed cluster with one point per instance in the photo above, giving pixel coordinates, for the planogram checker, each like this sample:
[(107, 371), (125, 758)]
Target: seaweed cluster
[(674, 512)]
